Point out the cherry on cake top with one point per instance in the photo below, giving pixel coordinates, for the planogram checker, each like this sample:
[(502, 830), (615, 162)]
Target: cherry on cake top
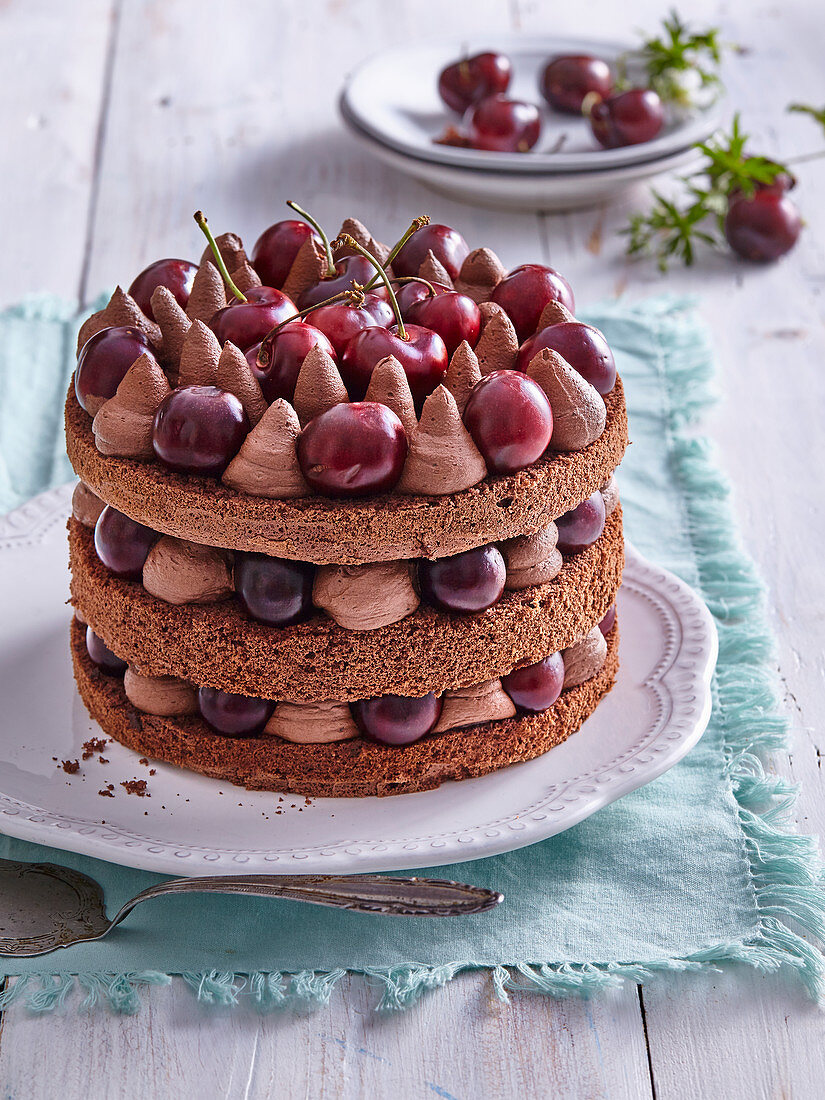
[(424, 305)]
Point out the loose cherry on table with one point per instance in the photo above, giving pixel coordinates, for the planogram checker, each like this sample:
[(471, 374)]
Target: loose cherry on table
[(584, 348), (764, 226), (567, 79), (397, 719), (199, 430), (276, 248), (103, 362), (468, 582), (471, 79), (628, 118), (102, 656), (420, 351), (284, 354), (510, 420), (455, 317), (501, 125), (352, 450), (233, 715), (275, 591), (122, 544), (581, 526), (525, 292), (176, 275), (445, 243), (536, 687)]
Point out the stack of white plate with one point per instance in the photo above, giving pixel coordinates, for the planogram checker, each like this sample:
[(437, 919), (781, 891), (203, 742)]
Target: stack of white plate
[(391, 106)]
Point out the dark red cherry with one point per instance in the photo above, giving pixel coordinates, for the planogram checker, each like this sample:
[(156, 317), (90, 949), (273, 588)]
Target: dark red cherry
[(176, 275), (629, 118), (234, 715), (584, 348), (102, 656), (379, 306), (121, 543), (397, 719), (199, 430), (275, 591), (286, 352), (581, 526), (349, 270), (454, 316), (353, 450), (246, 323), (525, 292), (763, 227), (340, 321), (276, 248), (606, 625), (510, 420), (103, 362), (471, 79), (468, 582), (501, 125), (567, 79), (446, 244), (536, 687), (423, 356)]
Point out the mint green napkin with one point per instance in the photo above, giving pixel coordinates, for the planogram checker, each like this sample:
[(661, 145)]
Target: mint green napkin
[(692, 869)]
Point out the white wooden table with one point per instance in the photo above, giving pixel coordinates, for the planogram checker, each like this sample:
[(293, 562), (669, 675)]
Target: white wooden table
[(121, 117)]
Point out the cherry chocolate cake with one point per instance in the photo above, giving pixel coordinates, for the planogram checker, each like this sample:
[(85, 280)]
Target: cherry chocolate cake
[(346, 522)]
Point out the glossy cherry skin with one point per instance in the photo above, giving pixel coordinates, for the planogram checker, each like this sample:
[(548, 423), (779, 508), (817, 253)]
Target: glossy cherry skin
[(525, 292), (606, 625), (471, 79), (246, 323), (535, 688), (501, 125), (103, 362), (763, 227), (340, 321), (423, 355), (276, 248), (349, 270), (275, 591), (446, 244), (176, 275), (234, 715), (199, 430), (353, 450), (584, 348), (510, 420), (121, 543), (629, 118), (567, 79), (396, 719), (454, 316), (102, 656), (581, 526), (468, 582), (286, 353)]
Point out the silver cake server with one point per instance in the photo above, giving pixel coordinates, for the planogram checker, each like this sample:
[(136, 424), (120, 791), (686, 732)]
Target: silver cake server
[(44, 907)]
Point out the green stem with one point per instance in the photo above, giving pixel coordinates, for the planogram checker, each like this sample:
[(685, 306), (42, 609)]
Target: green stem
[(331, 272), (350, 242), (417, 279), (419, 223), (200, 218), (354, 297)]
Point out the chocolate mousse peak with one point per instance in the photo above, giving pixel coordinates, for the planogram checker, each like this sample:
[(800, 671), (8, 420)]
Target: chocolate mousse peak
[(579, 412), (462, 374), (389, 386), (308, 268), (553, 314), (319, 386), (434, 271), (173, 324), (123, 424), (234, 374), (359, 232), (121, 309), (208, 293), (231, 249), (245, 277), (442, 457), (497, 346), (199, 357), (480, 274), (267, 465)]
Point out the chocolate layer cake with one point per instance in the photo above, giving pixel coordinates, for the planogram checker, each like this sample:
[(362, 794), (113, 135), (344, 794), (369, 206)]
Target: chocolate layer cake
[(347, 522)]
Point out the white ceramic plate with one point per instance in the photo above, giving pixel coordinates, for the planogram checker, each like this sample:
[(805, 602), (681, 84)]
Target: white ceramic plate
[(191, 825), (393, 98)]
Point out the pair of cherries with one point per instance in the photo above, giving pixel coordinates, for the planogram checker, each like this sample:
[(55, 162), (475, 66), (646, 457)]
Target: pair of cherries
[(476, 88)]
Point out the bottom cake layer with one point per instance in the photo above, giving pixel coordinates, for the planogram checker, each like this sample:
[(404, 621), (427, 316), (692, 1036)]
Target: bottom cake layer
[(343, 769)]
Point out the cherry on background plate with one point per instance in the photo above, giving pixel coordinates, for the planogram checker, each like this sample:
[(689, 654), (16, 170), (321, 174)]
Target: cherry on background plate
[(628, 118), (104, 360), (510, 419), (102, 656), (467, 582), (454, 316), (763, 227), (525, 292), (567, 79), (582, 346), (353, 450), (276, 248), (247, 323), (396, 719), (234, 715), (176, 275), (471, 79), (445, 243), (121, 543), (423, 355), (287, 351), (275, 591), (536, 687), (199, 430), (581, 526), (501, 125)]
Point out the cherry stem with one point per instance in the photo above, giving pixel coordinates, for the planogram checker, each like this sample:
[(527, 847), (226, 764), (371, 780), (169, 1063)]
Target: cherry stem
[(419, 223), (589, 102), (200, 218), (331, 272), (417, 279), (355, 297), (345, 240)]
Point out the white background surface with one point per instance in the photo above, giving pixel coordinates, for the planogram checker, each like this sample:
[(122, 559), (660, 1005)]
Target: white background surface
[(119, 120)]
